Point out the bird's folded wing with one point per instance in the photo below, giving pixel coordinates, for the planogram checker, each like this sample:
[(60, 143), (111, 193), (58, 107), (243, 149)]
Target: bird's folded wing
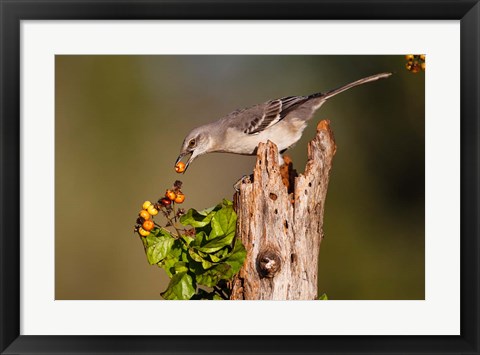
[(273, 112)]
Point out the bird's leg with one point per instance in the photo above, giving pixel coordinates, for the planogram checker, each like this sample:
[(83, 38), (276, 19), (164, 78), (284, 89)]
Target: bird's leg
[(243, 180), (281, 161)]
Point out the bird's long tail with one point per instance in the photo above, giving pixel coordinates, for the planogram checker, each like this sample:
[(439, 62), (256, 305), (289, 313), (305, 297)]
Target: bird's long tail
[(336, 91)]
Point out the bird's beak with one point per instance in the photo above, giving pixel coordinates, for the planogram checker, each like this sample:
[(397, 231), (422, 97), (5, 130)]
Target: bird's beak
[(190, 159)]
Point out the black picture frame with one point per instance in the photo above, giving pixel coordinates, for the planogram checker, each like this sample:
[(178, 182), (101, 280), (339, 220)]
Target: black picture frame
[(12, 12)]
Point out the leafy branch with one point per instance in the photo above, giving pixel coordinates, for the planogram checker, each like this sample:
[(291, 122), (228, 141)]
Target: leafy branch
[(206, 254)]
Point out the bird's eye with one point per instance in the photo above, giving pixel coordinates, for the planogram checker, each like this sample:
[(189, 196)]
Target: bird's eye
[(192, 143)]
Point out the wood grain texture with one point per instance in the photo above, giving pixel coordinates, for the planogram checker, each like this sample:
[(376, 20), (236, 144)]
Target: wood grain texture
[(282, 231)]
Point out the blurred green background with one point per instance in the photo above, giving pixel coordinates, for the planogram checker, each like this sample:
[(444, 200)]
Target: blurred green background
[(120, 121)]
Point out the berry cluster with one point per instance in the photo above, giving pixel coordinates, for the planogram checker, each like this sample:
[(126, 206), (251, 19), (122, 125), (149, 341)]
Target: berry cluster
[(166, 205), (145, 224), (415, 62)]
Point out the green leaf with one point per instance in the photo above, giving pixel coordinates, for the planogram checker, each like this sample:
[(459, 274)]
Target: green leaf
[(197, 219), (237, 257), (168, 264), (219, 256), (207, 211), (181, 266), (156, 231), (179, 288), (213, 275), (172, 258), (227, 202), (148, 240), (323, 297), (157, 248), (217, 244), (185, 256), (224, 223), (194, 255), (199, 258), (199, 238), (206, 264), (188, 239)]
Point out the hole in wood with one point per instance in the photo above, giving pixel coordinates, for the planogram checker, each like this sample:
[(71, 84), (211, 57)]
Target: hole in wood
[(268, 263), (273, 196), (286, 224), (276, 211), (293, 258), (309, 184)]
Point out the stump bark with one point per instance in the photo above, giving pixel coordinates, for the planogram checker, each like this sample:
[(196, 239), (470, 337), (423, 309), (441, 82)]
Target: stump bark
[(282, 230)]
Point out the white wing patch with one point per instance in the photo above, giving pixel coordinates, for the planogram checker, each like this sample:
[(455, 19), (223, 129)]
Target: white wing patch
[(275, 111)]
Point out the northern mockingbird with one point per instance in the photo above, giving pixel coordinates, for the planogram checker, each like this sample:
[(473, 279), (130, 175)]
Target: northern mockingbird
[(281, 121)]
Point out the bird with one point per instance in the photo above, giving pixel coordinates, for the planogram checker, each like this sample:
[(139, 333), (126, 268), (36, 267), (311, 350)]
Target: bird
[(282, 121)]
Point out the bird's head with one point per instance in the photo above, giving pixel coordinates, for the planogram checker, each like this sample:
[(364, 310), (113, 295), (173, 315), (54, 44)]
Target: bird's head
[(196, 143)]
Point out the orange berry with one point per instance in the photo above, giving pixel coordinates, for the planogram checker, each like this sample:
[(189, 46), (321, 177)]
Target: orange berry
[(146, 204), (180, 198), (148, 225), (409, 57), (144, 214), (180, 167), (170, 195)]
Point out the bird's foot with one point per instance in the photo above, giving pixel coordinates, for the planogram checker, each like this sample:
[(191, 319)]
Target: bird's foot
[(245, 179)]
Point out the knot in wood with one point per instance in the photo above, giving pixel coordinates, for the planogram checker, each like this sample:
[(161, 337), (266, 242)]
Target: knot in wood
[(268, 263)]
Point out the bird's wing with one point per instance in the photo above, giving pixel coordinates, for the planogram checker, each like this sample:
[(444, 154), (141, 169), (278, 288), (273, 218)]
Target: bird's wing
[(273, 112)]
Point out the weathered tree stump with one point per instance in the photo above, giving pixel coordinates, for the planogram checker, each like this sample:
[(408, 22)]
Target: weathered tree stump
[(282, 231)]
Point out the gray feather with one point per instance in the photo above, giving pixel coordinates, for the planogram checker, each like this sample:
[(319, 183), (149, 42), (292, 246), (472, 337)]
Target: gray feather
[(273, 112)]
